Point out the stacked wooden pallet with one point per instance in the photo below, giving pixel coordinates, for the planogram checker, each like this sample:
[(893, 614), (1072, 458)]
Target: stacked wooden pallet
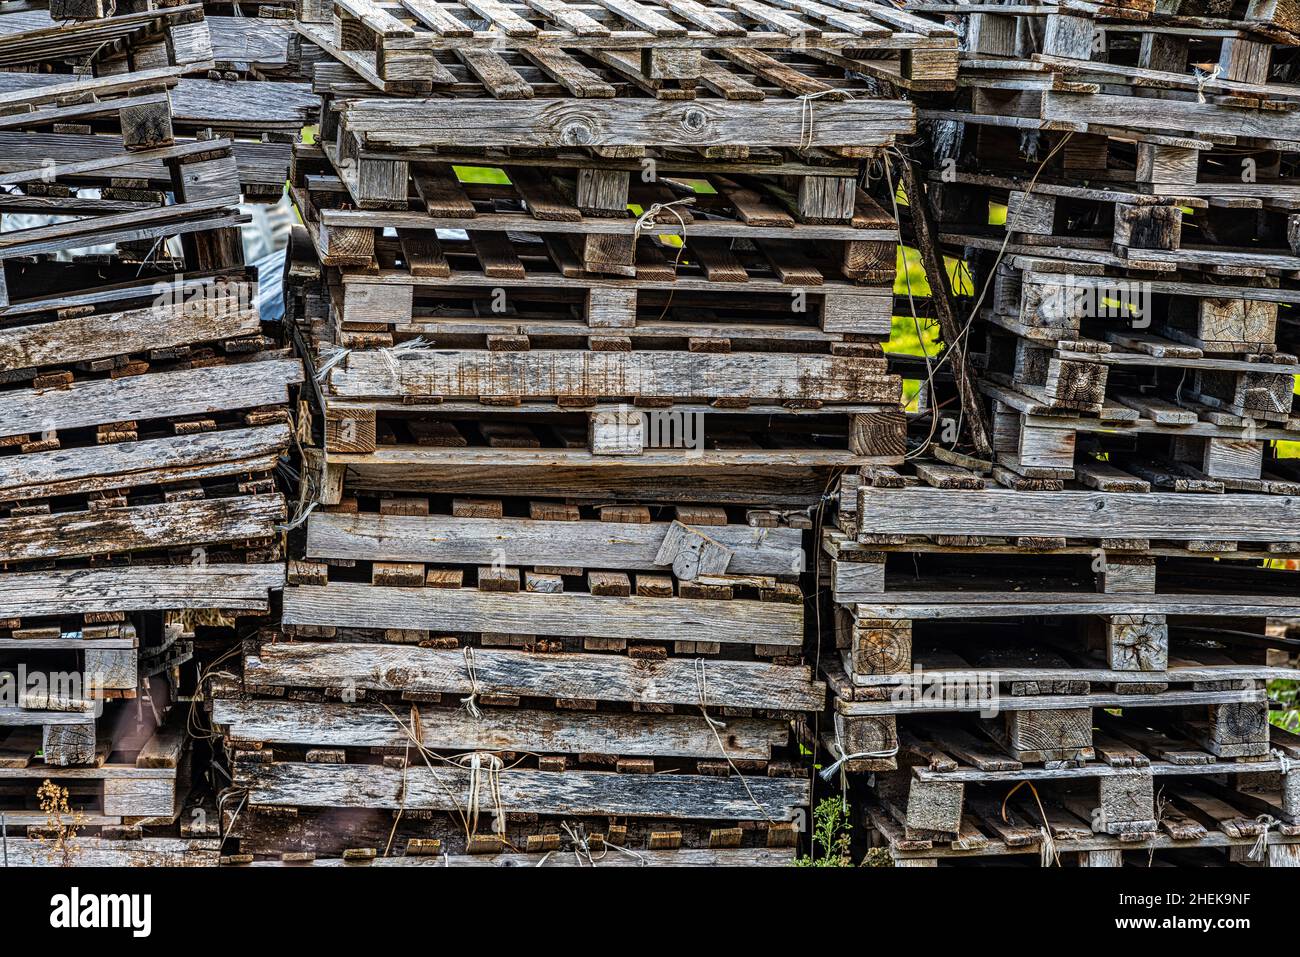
[(1134, 308), (986, 636), (143, 407), (586, 367), (1060, 644)]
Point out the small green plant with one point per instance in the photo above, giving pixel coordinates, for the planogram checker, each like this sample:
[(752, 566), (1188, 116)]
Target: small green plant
[(830, 835)]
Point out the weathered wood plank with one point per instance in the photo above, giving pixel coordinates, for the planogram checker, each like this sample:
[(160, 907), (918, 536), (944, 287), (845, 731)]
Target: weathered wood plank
[(600, 677), (148, 462), (526, 791), (352, 605), (629, 122), (163, 525), (501, 729), (1069, 514), (550, 373), (149, 588), (153, 396), (582, 544), (98, 852), (139, 330)]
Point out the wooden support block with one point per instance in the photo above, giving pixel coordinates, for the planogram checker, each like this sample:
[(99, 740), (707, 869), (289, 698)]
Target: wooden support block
[(654, 586), (609, 583), (627, 514), (111, 669), (880, 646), (1148, 227), (1070, 36), (603, 192), (1052, 735), (542, 583), (404, 505), (1033, 213), (619, 431), (1124, 575), (326, 756), (611, 308), (1137, 642), (65, 745), (691, 553), (498, 578), (1127, 803), (444, 578), (934, 808), (406, 574), (856, 578), (477, 508), (878, 434), (1101, 858)]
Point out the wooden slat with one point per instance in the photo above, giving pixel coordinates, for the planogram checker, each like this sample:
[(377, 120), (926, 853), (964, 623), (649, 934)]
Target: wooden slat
[(352, 605), (594, 676), (121, 465), (547, 373), (565, 732), (153, 396), (433, 16), (581, 544), (526, 791), (146, 588), (925, 511), (164, 525)]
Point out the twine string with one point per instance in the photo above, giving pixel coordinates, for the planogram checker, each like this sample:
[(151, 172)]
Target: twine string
[(1261, 843), (806, 115), (1203, 78), (702, 688), (484, 768), (843, 756), (470, 704)]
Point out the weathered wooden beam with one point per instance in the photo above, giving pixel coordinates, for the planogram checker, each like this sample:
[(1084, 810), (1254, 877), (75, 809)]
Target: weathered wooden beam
[(599, 677), (501, 729), (581, 544), (145, 588), (354, 605), (526, 791)]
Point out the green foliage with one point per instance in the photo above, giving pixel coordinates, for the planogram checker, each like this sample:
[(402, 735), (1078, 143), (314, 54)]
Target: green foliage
[(830, 835), (1287, 693)]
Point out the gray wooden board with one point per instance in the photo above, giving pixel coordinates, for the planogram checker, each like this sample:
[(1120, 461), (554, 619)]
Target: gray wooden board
[(1094, 770), (331, 724), (1105, 675), (682, 857), (356, 605), (941, 604), (506, 672), (145, 588), (544, 373), (967, 702), (584, 544), (135, 528), (1071, 514), (152, 396), (99, 852), (147, 462), (525, 791), (628, 122)]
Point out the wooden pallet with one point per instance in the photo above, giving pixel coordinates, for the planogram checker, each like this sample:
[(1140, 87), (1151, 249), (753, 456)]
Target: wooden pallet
[(667, 49)]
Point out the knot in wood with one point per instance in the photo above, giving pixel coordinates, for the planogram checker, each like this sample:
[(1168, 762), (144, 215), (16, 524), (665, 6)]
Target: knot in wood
[(576, 134), (695, 121)]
